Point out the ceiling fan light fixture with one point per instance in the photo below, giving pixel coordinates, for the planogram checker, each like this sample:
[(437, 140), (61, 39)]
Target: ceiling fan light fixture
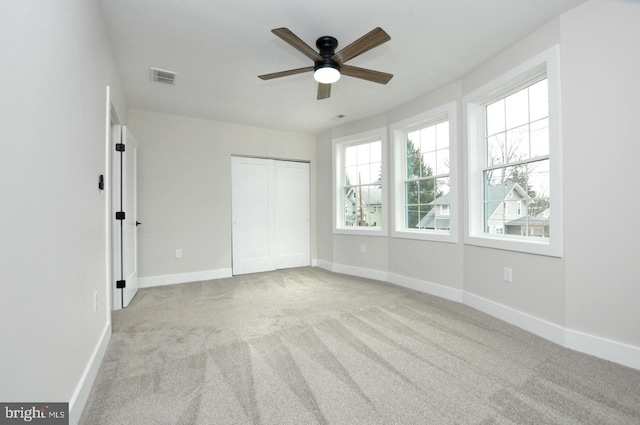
[(326, 74)]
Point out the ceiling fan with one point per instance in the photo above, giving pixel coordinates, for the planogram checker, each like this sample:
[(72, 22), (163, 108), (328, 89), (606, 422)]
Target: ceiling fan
[(329, 65)]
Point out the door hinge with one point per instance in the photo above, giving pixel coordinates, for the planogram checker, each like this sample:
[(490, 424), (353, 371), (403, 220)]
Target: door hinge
[(121, 284), (119, 147), (120, 215)]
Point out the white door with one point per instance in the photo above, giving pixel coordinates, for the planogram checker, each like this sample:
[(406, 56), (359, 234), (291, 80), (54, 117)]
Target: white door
[(270, 210), (293, 245), (125, 214), (254, 244)]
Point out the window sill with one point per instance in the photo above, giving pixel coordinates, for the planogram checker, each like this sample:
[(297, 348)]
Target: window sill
[(360, 231), (447, 237), (512, 244)]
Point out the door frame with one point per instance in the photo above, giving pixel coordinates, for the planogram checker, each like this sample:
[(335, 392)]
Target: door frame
[(111, 121)]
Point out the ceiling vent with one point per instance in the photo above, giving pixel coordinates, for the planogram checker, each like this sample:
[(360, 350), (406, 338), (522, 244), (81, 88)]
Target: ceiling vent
[(163, 76)]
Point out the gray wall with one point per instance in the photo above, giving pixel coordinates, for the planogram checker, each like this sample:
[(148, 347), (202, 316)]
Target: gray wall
[(601, 65), (594, 288), (56, 64), (185, 187)]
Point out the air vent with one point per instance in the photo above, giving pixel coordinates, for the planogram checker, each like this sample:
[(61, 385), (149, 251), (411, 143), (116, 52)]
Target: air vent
[(163, 76)]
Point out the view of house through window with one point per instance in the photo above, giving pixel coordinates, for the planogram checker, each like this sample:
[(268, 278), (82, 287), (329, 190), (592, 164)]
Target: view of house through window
[(426, 182), (362, 185), (516, 171)]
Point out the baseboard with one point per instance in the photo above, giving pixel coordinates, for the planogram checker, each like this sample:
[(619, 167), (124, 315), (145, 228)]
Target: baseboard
[(359, 271), (617, 352), (529, 323), (81, 394), (173, 279), (624, 354), (426, 287)]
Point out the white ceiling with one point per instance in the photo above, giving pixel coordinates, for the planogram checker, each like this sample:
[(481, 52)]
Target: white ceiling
[(218, 48)]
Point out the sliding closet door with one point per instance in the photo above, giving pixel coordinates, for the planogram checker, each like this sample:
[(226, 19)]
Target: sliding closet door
[(254, 243), (270, 210), (292, 214)]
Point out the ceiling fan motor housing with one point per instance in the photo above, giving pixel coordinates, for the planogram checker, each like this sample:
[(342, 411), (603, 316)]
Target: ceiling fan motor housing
[(327, 48)]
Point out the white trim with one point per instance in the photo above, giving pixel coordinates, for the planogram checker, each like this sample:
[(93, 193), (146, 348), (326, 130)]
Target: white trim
[(535, 325), (358, 271), (338, 197), (173, 279), (441, 291), (83, 389), (624, 354), (472, 112), (398, 154)]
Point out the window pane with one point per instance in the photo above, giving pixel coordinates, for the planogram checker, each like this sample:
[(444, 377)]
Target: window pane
[(350, 155), (517, 109), (518, 144), (442, 135), (427, 190), (425, 217), (516, 200), (496, 149), (538, 179), (375, 152), (442, 189), (442, 166), (540, 138), (413, 216), (369, 173), (428, 139), (539, 101), (363, 175), (429, 161), (413, 166), (363, 153), (372, 206), (411, 190), (351, 176), (495, 118)]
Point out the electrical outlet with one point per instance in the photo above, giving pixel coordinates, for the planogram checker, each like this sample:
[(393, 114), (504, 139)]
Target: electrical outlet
[(508, 274), (363, 248), (178, 253), (95, 301)]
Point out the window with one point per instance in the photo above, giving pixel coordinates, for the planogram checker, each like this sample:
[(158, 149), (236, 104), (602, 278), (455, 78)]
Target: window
[(359, 177), (514, 160), (424, 171)]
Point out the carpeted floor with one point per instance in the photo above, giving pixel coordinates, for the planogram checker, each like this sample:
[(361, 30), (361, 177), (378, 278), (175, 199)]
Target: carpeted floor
[(306, 346)]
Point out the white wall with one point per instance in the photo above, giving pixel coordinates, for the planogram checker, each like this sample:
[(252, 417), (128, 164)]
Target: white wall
[(601, 88), (185, 190), (588, 299), (56, 63)]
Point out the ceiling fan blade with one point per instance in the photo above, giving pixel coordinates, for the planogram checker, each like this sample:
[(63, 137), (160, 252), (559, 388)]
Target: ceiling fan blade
[(297, 43), (365, 43), (324, 91), (366, 74), (285, 73)]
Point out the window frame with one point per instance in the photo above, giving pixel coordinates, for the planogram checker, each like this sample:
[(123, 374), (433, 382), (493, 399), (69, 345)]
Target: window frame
[(339, 145), (399, 132), (547, 63)]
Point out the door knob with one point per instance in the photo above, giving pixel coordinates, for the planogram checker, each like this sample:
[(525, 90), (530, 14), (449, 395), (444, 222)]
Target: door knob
[(138, 223)]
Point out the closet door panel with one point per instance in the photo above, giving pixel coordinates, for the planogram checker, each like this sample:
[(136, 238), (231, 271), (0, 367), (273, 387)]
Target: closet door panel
[(292, 214), (253, 231)]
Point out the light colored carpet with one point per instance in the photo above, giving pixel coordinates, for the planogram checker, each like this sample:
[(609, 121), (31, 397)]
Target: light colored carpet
[(306, 346)]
